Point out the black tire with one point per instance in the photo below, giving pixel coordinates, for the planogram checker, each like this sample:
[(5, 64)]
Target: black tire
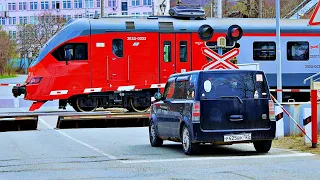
[(262, 146), (188, 147), (155, 141)]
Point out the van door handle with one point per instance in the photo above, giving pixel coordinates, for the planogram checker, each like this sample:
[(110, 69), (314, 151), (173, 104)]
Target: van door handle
[(236, 118), (181, 109)]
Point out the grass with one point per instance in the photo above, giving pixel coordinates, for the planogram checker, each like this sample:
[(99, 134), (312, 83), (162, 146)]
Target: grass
[(296, 143), (7, 76)]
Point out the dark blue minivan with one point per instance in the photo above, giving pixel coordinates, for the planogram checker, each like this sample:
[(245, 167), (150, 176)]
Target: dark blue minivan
[(214, 106)]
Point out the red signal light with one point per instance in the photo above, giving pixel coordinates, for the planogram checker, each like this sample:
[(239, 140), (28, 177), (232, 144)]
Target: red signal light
[(235, 32)]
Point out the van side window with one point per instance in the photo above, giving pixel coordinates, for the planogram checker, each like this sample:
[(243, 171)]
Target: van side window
[(183, 51), (191, 86), (169, 90), (180, 90), (78, 51), (167, 51), (298, 51), (117, 47), (264, 51)]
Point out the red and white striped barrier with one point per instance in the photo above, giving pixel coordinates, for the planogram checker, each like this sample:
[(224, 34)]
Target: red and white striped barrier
[(307, 123), (279, 122), (10, 84), (290, 90)]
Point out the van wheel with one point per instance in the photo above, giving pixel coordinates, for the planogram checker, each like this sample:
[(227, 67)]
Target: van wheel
[(262, 146), (155, 141), (188, 147)]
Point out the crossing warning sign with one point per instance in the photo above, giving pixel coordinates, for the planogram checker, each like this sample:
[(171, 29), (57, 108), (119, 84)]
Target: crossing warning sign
[(315, 17), (220, 61)]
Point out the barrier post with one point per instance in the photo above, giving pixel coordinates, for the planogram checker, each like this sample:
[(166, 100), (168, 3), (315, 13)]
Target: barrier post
[(314, 117)]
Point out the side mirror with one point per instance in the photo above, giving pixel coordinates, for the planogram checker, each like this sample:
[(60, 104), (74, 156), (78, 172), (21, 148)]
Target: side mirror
[(67, 55), (158, 96)]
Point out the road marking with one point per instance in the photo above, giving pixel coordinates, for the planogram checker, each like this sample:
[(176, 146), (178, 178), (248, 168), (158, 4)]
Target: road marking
[(76, 140), (218, 158)]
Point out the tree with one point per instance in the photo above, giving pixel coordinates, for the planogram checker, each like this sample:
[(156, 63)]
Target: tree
[(32, 37), (7, 51)]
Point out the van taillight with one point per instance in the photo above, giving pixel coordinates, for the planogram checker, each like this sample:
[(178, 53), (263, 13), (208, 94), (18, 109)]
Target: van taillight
[(196, 112), (271, 111)]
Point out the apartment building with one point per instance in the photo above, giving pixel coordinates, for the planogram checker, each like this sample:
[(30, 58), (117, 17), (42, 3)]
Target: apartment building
[(14, 12)]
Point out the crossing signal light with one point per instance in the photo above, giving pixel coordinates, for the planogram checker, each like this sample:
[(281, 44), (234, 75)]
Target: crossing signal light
[(234, 33), (205, 32)]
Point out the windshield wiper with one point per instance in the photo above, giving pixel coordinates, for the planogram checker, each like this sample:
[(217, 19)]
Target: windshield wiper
[(232, 97)]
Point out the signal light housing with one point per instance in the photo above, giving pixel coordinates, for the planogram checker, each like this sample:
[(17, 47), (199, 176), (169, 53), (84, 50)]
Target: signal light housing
[(234, 33), (205, 32)]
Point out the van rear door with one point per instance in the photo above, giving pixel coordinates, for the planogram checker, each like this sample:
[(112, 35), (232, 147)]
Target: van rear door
[(234, 100)]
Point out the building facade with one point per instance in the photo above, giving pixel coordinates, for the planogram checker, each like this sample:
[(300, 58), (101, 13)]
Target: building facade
[(15, 12)]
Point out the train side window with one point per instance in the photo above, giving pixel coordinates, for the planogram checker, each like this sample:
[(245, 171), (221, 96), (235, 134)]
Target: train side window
[(298, 51), (167, 51), (117, 47), (183, 51), (264, 51), (78, 51)]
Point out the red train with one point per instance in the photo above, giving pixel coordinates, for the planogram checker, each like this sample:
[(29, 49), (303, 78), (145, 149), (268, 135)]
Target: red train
[(117, 62)]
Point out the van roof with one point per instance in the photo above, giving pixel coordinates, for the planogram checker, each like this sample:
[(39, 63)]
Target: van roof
[(214, 70)]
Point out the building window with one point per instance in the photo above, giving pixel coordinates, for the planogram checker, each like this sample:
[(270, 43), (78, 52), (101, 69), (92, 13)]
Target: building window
[(167, 51), (135, 15), (183, 51), (147, 2), (78, 51), (66, 4), (264, 51), (298, 51), (23, 20), (135, 2), (33, 5), (12, 20), (78, 16), (124, 6), (22, 6), (67, 17), (77, 3), (2, 21), (12, 6), (147, 13), (98, 3), (124, 13), (117, 47), (12, 35), (112, 3), (89, 3), (45, 5), (55, 4), (112, 14)]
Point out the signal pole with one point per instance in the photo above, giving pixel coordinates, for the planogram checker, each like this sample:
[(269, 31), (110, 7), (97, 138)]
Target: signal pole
[(278, 54), (102, 8)]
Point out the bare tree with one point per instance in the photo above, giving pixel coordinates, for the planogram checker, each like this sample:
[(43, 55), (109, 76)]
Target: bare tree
[(7, 52), (32, 37)]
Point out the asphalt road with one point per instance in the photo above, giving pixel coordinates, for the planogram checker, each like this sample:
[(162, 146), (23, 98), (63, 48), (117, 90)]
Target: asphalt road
[(114, 153)]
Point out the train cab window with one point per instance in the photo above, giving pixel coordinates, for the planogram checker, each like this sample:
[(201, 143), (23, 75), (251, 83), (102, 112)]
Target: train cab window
[(183, 51), (78, 51), (298, 51), (264, 51), (167, 51), (117, 47)]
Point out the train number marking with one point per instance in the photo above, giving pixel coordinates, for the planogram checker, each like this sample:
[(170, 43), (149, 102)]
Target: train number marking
[(312, 66), (136, 38)]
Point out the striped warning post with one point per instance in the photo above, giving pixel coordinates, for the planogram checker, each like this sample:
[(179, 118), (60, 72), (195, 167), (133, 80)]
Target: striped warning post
[(279, 123), (307, 123)]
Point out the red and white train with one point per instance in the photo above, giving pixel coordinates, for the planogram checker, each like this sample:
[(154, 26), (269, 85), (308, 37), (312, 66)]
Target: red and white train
[(122, 62)]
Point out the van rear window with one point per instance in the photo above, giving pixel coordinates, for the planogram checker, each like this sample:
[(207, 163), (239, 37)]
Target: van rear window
[(242, 84)]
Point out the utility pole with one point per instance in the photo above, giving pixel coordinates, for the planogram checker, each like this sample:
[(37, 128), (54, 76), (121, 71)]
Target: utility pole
[(211, 8), (260, 8), (278, 54), (102, 8), (219, 7)]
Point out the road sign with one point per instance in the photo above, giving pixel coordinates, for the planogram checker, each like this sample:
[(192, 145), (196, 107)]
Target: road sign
[(315, 17), (220, 61)]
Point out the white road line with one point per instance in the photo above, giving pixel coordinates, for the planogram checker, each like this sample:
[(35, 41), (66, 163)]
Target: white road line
[(218, 158), (76, 140)]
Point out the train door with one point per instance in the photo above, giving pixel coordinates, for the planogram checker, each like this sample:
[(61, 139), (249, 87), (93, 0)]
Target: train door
[(167, 56), (183, 52), (117, 59)]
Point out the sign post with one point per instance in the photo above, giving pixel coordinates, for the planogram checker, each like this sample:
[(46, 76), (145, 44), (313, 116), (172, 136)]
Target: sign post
[(314, 117), (278, 56)]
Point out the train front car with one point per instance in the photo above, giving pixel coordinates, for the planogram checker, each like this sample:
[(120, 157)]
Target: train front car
[(54, 74)]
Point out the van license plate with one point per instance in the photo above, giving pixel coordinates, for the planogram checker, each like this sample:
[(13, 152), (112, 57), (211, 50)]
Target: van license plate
[(237, 137)]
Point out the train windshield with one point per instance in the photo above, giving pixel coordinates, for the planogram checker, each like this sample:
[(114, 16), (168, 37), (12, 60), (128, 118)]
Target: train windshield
[(71, 30)]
